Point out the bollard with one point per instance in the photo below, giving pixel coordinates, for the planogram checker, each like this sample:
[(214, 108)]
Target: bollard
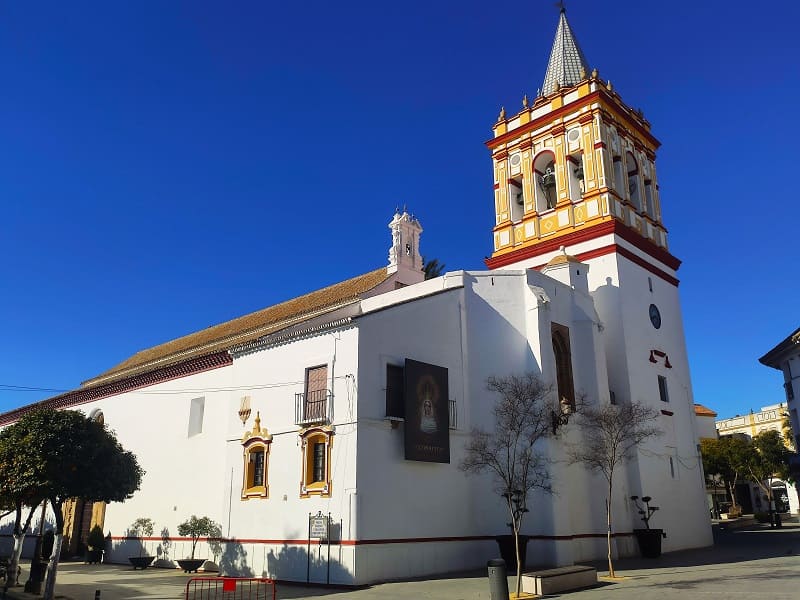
[(498, 579), (97, 595)]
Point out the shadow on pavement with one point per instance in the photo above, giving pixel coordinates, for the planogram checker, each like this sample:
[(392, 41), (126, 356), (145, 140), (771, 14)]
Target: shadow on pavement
[(752, 543)]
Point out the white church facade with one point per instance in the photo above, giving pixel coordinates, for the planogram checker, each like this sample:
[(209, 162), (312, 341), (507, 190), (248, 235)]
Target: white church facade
[(356, 401)]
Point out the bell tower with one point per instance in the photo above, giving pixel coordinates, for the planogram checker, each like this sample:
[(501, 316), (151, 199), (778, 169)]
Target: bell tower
[(576, 168), (575, 184)]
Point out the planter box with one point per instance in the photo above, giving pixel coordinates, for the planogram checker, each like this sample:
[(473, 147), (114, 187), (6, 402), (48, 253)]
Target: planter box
[(190, 565), (649, 541), (141, 562), (508, 554)]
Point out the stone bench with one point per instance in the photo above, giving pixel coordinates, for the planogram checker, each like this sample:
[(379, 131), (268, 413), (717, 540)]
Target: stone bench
[(561, 579)]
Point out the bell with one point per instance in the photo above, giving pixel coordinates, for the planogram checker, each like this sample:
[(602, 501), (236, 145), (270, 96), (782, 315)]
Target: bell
[(548, 180)]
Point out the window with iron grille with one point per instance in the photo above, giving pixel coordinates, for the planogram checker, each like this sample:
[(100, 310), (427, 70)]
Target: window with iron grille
[(255, 477), (257, 468), (319, 462), (316, 448)]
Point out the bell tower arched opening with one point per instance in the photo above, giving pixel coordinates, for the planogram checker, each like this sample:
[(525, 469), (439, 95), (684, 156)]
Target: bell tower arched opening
[(546, 188)]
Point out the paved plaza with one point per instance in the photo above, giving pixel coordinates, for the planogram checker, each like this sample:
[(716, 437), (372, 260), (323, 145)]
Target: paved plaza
[(753, 562)]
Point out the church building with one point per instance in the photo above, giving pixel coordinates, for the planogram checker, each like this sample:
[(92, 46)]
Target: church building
[(355, 401)]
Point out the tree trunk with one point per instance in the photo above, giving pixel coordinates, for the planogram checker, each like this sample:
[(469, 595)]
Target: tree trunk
[(13, 561), (519, 560), (52, 567), (732, 492), (16, 553), (608, 532)]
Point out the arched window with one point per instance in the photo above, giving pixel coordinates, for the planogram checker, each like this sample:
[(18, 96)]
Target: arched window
[(619, 180), (516, 198), (650, 206), (546, 183), (316, 447), (563, 359), (256, 444), (633, 182)]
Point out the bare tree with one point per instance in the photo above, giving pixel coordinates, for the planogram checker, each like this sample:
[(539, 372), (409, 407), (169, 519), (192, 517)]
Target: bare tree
[(610, 434), (523, 417)]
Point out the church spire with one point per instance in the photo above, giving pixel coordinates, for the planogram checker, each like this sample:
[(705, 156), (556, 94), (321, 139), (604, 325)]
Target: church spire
[(567, 65)]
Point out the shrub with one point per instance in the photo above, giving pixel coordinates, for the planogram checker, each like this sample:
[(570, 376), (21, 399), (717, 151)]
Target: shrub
[(96, 540)]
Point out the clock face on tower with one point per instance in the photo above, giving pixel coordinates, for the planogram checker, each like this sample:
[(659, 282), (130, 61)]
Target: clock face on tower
[(655, 316)]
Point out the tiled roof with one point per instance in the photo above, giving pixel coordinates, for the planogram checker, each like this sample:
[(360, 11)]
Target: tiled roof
[(702, 411), (560, 259), (243, 329), (566, 59)]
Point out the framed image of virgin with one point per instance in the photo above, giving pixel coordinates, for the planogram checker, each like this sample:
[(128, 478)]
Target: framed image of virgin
[(427, 414)]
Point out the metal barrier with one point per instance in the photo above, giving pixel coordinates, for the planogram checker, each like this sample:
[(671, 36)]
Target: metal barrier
[(230, 588)]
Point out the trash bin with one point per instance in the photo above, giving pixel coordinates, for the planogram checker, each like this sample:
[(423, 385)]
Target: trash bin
[(498, 579)]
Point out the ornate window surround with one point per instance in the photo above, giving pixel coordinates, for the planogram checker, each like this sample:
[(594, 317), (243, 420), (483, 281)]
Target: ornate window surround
[(253, 441), (308, 438)]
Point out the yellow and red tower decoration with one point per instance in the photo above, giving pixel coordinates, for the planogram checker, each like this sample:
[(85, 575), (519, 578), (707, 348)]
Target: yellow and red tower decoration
[(576, 168)]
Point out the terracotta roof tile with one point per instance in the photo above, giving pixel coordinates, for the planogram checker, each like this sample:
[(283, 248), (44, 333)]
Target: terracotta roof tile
[(702, 411), (245, 328)]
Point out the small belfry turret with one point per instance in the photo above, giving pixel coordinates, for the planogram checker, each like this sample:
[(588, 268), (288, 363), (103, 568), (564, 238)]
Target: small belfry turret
[(404, 256)]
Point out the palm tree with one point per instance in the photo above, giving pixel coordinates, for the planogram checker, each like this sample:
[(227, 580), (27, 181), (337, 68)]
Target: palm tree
[(433, 268)]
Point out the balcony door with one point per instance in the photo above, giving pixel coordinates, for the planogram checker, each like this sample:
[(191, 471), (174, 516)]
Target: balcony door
[(316, 393)]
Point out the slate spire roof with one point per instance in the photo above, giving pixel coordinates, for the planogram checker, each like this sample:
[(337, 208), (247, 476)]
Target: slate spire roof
[(566, 59)]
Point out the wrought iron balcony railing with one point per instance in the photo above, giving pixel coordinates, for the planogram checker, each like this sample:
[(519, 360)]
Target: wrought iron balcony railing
[(313, 407)]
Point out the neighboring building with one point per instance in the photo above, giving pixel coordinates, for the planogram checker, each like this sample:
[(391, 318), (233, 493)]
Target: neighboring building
[(769, 418), (356, 401), (707, 429), (706, 424), (785, 357)]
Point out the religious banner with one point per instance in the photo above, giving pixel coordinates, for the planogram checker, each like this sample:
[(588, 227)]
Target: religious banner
[(427, 414)]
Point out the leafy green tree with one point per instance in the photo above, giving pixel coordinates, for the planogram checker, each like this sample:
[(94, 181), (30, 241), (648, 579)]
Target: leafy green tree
[(197, 527), (769, 458), (141, 528), (67, 455), (610, 436), (433, 268), (727, 458)]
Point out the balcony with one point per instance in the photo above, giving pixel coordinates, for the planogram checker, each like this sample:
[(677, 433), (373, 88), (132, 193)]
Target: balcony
[(313, 408)]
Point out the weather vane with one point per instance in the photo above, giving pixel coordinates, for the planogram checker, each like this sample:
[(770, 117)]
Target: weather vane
[(560, 5)]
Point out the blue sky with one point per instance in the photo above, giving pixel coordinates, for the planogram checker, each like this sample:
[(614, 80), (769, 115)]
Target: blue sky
[(165, 166)]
